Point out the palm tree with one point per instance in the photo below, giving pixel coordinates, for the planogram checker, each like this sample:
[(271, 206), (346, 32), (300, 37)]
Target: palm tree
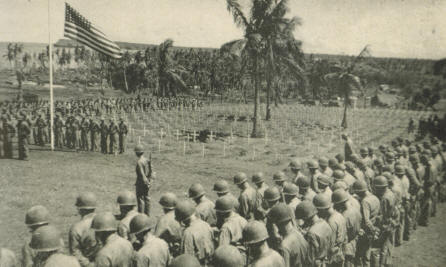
[(268, 39), (169, 78)]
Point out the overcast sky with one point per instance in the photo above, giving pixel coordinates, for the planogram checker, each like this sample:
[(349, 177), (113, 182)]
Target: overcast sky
[(396, 28)]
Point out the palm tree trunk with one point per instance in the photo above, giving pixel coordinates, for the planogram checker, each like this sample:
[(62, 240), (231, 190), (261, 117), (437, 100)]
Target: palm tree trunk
[(125, 81), (268, 96), (256, 132), (344, 117)]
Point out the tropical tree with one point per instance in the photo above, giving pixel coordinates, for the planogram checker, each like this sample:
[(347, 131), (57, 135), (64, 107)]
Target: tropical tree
[(10, 54), (169, 72)]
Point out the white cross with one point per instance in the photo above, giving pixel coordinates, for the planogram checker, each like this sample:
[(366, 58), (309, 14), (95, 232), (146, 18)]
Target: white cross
[(177, 134), (194, 135), (211, 136)]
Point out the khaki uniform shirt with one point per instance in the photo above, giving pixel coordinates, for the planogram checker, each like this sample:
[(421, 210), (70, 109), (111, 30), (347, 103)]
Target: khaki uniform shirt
[(81, 240), (117, 252), (153, 253)]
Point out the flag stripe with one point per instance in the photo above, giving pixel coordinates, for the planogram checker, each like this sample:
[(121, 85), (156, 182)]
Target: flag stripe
[(80, 29), (75, 36), (92, 37)]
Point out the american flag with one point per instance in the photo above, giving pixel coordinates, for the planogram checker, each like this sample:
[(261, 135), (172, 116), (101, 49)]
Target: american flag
[(78, 28)]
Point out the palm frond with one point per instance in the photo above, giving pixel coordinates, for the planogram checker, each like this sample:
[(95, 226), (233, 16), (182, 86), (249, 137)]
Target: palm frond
[(234, 47), (176, 79), (280, 9), (235, 9)]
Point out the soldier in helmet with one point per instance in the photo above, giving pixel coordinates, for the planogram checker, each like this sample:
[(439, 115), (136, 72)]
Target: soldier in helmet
[(81, 238), (227, 256), (144, 176), (23, 136), (296, 166), (167, 227), (353, 218), (185, 260), (261, 186), (58, 130), (127, 207), (95, 132), (85, 134), (318, 233), (154, 251), (113, 131), (123, 130), (280, 180), (323, 184), (205, 207), (104, 134), (364, 153), (41, 126), (305, 190), (349, 149), (382, 246), (400, 173), (47, 243), (35, 218), (371, 211), (324, 168), (247, 198), (272, 198), (338, 224), (221, 188), (230, 223), (313, 166), (255, 236), (9, 132), (197, 239), (293, 247), (115, 251), (291, 192)]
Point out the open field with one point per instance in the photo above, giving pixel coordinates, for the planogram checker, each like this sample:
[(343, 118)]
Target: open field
[(55, 178)]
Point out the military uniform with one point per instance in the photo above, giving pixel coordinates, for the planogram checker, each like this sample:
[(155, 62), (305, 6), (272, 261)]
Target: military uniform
[(169, 229), (123, 130), (231, 230), (104, 135), (82, 242), (8, 135), (58, 259), (338, 225), (85, 135), (144, 176), (247, 200), (116, 252), (319, 237), (198, 241), (7, 258), (353, 219), (23, 134), (124, 225), (154, 253), (294, 249), (113, 135), (95, 132), (205, 211), (270, 258)]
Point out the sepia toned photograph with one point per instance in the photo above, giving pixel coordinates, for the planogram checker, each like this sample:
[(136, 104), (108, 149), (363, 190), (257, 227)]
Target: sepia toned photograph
[(222, 133)]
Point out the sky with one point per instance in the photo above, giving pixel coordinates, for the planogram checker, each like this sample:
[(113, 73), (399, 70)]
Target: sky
[(392, 28)]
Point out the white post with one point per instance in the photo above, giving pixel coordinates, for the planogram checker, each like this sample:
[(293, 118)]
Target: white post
[(224, 148), (203, 149), (50, 51)]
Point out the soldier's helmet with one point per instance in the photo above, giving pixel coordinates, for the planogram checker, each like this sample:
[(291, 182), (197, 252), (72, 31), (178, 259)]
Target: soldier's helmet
[(195, 191), (254, 232), (290, 189), (185, 260), (104, 222), (141, 223), (338, 175), (412, 150), (227, 256), (139, 148), (280, 213), (340, 185), (305, 210), (126, 198), (257, 178), (184, 210), (168, 200), (321, 201), (240, 178), (414, 158), (323, 162), (323, 180), (354, 158), (86, 200), (349, 165), (271, 194), (279, 177), (295, 164), (37, 215), (378, 162), (363, 151), (224, 204), (312, 164), (46, 238), (332, 163), (339, 196), (399, 169), (303, 182), (359, 186), (380, 182), (221, 187), (340, 158)]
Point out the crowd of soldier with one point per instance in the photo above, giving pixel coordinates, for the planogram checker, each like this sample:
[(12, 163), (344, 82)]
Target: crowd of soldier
[(350, 210)]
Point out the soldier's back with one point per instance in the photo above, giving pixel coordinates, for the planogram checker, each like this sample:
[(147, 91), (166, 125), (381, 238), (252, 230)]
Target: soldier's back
[(117, 252), (269, 259), (205, 211), (7, 258), (168, 228), (232, 230), (294, 248), (58, 260), (154, 253), (198, 240)]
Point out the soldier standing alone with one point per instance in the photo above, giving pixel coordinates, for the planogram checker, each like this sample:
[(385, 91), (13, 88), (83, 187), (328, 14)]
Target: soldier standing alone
[(122, 136), (144, 177)]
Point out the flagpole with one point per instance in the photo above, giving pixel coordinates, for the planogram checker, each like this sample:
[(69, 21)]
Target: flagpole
[(50, 51)]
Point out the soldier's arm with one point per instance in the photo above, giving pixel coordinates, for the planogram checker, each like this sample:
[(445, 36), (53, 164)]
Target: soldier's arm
[(142, 173), (123, 231), (313, 247), (73, 245), (413, 177), (27, 258), (244, 206), (285, 253), (140, 260), (366, 217)]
